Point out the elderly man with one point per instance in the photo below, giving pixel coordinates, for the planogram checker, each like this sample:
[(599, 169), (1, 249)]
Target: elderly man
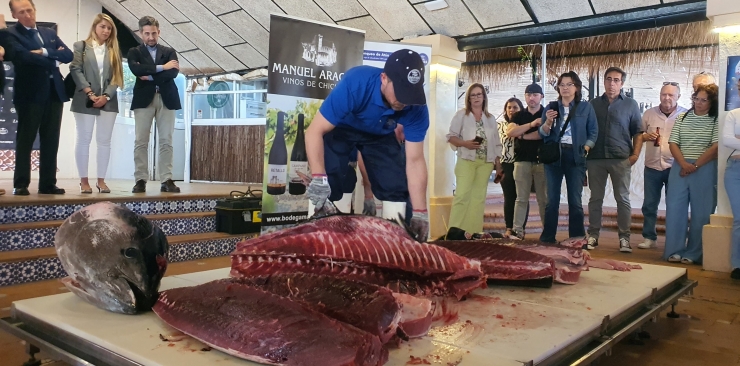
[(613, 156), (703, 78), (657, 123)]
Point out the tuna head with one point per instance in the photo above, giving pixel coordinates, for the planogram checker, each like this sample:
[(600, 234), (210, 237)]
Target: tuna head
[(115, 258)]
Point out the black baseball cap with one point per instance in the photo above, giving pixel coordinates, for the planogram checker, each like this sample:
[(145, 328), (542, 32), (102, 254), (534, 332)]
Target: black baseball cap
[(406, 70), (533, 88)]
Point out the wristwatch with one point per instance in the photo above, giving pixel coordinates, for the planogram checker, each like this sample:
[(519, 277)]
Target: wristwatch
[(107, 97)]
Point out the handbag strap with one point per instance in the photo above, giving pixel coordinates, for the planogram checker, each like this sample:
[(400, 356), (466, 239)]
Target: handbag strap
[(567, 120)]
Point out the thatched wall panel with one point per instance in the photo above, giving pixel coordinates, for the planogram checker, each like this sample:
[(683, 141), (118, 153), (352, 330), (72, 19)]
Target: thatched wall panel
[(227, 153)]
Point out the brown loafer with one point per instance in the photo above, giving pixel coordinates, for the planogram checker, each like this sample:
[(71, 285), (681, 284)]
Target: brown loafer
[(169, 186)]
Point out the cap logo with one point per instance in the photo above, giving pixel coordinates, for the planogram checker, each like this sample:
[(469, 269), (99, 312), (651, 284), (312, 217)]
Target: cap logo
[(414, 76)]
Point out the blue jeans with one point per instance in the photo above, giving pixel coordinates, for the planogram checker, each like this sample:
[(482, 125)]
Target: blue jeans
[(655, 180), (698, 191), (732, 186), (574, 175)]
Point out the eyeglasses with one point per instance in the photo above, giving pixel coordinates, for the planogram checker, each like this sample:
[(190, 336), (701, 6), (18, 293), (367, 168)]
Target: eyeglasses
[(703, 100), (476, 95), (566, 85), (613, 80), (670, 83)]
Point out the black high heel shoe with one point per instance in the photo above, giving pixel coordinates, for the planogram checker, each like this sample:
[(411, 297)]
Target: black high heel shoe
[(106, 190), (85, 190)]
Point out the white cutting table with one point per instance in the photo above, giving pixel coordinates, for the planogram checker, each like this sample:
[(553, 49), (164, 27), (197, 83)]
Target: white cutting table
[(565, 324)]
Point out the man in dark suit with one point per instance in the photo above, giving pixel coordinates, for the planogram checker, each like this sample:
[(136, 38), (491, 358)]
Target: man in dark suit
[(155, 96), (38, 96)]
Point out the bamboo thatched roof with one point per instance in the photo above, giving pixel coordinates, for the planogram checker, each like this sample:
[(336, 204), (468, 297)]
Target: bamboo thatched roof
[(692, 42)]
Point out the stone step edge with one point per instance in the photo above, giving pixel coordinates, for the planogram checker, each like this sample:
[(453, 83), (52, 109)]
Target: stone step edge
[(609, 213), (563, 224), (57, 223), (50, 252)]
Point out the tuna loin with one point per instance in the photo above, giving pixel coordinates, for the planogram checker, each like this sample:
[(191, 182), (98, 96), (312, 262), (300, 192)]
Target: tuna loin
[(260, 326), (504, 264), (361, 248), (371, 308)]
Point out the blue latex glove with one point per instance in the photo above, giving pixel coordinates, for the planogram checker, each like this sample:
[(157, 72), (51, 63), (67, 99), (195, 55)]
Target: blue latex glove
[(318, 191)]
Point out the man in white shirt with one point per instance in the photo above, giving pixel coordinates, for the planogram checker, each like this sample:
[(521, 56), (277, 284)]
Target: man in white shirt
[(657, 123)]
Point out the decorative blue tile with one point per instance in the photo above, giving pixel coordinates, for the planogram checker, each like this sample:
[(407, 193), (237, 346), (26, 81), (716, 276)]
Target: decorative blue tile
[(35, 213), (8, 273)]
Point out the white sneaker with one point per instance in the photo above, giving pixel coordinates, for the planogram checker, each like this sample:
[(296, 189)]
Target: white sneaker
[(624, 246), (686, 261), (648, 244), (674, 258), (591, 243)]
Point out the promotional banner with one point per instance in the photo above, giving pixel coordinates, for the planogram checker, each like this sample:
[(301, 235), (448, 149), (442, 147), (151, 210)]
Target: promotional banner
[(306, 60), (732, 97)]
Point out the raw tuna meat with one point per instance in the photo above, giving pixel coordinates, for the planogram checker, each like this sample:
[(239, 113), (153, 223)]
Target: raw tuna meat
[(505, 264), (361, 248), (416, 315), (371, 308), (612, 264), (260, 326)]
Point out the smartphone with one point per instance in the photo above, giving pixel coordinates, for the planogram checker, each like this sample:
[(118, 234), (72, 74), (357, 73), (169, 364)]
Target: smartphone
[(554, 106), (478, 139), (498, 178)]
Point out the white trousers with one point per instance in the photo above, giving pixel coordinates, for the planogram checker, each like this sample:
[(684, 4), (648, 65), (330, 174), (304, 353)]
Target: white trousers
[(103, 126)]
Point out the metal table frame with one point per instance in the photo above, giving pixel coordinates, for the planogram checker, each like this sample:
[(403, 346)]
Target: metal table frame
[(78, 351)]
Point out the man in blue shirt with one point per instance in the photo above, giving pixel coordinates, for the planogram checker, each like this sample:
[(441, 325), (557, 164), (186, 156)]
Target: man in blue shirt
[(362, 112)]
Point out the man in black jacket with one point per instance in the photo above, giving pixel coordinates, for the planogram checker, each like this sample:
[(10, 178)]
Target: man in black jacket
[(38, 95), (155, 96)]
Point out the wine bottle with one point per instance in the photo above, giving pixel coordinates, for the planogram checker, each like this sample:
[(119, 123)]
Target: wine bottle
[(657, 139), (277, 162), (298, 161)]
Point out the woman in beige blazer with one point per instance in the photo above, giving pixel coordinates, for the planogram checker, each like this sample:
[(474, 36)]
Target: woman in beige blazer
[(98, 73), (474, 135)]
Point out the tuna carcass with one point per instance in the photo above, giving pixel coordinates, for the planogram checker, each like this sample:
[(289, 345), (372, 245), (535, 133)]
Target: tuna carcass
[(362, 248), (505, 265), (252, 323), (115, 258)]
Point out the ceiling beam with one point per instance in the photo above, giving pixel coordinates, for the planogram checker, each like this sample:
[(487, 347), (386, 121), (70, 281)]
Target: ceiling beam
[(660, 16)]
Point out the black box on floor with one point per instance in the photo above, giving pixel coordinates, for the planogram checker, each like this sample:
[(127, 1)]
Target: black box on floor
[(239, 215)]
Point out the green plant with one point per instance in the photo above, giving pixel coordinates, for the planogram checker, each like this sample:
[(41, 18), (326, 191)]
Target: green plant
[(524, 55)]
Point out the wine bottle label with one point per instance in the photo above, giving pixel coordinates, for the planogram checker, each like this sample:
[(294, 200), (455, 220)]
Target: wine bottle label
[(276, 174), (296, 167)]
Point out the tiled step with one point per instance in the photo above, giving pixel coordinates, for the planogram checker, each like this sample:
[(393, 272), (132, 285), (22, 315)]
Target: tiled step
[(32, 235), (148, 205), (23, 266)]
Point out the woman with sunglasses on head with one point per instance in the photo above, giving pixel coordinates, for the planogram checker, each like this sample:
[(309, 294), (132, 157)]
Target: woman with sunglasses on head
[(584, 130), (692, 181), (98, 73), (731, 139), (474, 136), (508, 186)]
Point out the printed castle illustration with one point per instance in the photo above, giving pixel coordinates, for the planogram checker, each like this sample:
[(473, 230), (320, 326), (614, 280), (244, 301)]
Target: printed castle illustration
[(319, 54)]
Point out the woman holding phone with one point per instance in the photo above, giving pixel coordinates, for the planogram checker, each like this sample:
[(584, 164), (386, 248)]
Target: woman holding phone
[(98, 73), (474, 136), (581, 132)]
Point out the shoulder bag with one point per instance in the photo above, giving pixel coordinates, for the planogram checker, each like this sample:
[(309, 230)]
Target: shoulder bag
[(549, 152), (69, 83)]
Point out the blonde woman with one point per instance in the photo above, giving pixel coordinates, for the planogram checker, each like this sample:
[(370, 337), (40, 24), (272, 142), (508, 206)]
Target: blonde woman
[(473, 134), (98, 73)]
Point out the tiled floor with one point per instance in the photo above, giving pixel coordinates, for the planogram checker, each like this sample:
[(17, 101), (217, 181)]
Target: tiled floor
[(707, 333)]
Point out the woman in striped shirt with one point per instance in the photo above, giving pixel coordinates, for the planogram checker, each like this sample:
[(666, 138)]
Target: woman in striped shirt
[(693, 178), (512, 106)]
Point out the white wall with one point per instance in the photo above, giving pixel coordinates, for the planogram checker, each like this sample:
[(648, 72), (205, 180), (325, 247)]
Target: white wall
[(73, 18)]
